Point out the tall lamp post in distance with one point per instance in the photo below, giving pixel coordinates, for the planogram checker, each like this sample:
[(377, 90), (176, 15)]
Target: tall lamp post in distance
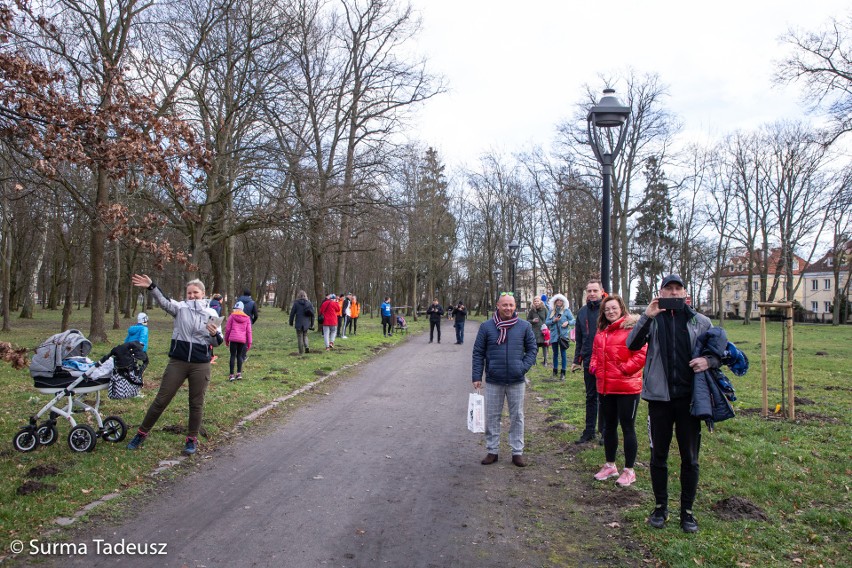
[(609, 113), (514, 248), (486, 297), (498, 281)]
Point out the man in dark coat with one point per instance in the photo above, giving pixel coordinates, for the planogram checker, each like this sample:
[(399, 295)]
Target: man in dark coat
[(435, 312), (302, 317), (584, 336), (460, 315), (505, 350), (249, 307)]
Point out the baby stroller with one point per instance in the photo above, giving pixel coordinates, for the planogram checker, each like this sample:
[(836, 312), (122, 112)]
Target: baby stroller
[(61, 368)]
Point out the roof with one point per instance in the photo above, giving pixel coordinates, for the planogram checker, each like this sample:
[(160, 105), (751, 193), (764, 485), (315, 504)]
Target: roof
[(739, 265)]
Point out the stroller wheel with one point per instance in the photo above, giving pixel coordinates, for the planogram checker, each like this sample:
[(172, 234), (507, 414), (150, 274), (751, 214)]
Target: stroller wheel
[(25, 440), (82, 438), (47, 434), (114, 429)]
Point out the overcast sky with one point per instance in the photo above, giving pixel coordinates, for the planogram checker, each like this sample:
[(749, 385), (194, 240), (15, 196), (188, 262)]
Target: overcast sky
[(516, 69)]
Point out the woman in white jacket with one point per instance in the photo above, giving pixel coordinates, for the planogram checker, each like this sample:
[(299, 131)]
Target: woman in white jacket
[(194, 333), (559, 322)]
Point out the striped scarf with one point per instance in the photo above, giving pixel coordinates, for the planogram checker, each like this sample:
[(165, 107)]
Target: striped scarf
[(503, 326)]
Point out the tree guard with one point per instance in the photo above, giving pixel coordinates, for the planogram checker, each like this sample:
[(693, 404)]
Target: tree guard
[(790, 408)]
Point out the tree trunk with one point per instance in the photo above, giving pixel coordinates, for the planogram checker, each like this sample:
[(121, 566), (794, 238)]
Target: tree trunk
[(97, 246)]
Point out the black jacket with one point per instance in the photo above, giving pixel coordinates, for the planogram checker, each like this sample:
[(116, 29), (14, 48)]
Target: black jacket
[(435, 313), (584, 332), (302, 314), (249, 307)]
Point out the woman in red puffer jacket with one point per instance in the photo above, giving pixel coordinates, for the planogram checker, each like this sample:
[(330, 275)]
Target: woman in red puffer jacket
[(619, 380)]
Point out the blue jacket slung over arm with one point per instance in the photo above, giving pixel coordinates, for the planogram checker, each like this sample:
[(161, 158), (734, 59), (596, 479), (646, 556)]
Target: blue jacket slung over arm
[(508, 362), (709, 403)]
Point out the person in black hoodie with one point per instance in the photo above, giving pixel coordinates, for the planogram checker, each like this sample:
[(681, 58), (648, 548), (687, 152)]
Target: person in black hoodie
[(302, 317), (460, 315), (584, 336), (435, 312), (668, 381), (249, 307)]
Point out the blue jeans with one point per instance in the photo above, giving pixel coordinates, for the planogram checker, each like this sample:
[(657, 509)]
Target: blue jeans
[(557, 350), (494, 395), (459, 332)]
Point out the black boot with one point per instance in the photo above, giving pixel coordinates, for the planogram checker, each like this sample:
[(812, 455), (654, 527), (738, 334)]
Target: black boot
[(562, 375), (554, 374)]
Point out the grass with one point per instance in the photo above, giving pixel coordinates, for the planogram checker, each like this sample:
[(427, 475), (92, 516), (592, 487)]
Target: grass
[(274, 369), (796, 472)]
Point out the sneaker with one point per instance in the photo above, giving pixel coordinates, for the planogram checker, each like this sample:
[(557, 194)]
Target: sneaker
[(191, 446), (331, 345), (688, 522), (586, 437), (231, 378), (606, 472), (137, 441), (627, 478), (344, 337), (239, 376), (658, 517)]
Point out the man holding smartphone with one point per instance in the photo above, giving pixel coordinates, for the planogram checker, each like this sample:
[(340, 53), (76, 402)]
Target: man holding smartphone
[(671, 329)]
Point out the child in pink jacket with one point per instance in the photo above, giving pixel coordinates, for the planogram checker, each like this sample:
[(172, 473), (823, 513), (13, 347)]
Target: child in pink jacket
[(238, 338)]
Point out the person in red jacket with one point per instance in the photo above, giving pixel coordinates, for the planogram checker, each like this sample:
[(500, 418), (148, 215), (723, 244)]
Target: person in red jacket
[(618, 371), (329, 311), (238, 338)]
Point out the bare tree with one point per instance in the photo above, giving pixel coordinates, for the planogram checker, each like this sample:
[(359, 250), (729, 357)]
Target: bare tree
[(822, 61)]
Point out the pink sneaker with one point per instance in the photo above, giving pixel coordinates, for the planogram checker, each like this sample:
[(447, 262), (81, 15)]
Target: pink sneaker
[(627, 478), (606, 472)]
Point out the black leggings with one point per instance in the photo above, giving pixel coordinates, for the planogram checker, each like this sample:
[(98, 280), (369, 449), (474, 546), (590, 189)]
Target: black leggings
[(352, 326), (620, 409), (238, 354), (387, 326)]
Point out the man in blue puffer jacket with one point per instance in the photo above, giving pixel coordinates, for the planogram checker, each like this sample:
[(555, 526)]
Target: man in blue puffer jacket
[(504, 350)]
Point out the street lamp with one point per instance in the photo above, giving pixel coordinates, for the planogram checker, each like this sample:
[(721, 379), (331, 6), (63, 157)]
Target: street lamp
[(609, 113), (486, 296), (514, 249)]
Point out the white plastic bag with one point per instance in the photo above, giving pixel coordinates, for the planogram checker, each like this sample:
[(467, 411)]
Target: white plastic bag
[(476, 413)]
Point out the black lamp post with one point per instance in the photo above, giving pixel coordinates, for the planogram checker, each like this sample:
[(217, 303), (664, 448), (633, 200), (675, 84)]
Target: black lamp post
[(514, 249), (609, 113), (486, 296), (498, 282)]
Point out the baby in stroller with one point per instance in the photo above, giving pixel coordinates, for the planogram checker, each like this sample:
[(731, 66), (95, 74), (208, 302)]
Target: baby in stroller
[(61, 368)]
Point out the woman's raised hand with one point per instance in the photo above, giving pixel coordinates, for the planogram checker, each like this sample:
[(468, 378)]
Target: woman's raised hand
[(141, 280)]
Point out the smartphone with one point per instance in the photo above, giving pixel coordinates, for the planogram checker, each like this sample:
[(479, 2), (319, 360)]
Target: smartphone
[(671, 303)]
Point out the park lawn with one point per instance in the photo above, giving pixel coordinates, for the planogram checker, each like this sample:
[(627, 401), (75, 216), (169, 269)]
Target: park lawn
[(274, 369), (796, 473)]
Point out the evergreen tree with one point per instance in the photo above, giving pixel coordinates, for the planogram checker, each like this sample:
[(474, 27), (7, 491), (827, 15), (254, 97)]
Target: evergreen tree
[(654, 241)]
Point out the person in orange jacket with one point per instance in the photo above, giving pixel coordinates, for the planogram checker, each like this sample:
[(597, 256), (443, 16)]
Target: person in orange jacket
[(355, 311)]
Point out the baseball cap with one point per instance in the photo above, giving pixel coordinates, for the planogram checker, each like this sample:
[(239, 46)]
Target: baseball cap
[(142, 318), (672, 278), (239, 306)]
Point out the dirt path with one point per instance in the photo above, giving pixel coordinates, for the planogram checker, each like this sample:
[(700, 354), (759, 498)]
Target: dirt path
[(377, 469)]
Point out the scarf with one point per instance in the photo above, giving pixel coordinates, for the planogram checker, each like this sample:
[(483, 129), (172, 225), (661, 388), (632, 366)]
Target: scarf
[(503, 326)]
